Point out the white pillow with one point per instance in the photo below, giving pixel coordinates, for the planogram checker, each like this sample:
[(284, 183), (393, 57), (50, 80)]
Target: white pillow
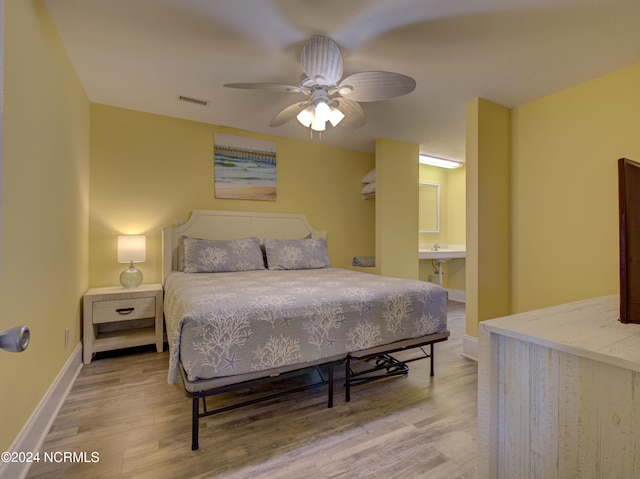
[(369, 188), (369, 177)]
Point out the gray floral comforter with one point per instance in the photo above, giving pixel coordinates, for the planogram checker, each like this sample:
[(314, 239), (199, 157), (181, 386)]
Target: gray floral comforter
[(222, 324)]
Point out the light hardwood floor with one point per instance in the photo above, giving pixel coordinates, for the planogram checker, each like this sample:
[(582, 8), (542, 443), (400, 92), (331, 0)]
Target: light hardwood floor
[(415, 427)]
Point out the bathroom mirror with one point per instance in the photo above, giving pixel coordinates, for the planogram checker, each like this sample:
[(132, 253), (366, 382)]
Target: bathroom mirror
[(429, 208)]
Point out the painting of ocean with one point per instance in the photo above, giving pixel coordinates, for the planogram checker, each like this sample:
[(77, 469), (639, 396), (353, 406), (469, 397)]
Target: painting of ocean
[(244, 168)]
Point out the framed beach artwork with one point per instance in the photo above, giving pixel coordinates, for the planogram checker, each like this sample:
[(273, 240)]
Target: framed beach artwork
[(244, 168)]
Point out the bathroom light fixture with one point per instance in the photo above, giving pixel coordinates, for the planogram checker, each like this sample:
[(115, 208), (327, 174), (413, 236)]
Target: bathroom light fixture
[(440, 162), (131, 249)]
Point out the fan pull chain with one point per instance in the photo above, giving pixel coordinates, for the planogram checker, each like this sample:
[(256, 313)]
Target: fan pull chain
[(311, 134)]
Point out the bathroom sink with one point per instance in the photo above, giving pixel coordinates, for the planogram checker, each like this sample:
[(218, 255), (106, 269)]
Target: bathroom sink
[(442, 253)]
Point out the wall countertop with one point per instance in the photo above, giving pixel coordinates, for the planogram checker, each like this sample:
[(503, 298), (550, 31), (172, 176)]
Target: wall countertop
[(444, 252)]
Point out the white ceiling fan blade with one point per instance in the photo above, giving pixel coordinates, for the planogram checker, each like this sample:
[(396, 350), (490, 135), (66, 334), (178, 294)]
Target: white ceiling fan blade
[(322, 61), (375, 86), (353, 113), (289, 113), (268, 86)]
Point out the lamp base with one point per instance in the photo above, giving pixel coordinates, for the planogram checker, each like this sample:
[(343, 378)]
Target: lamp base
[(131, 277)]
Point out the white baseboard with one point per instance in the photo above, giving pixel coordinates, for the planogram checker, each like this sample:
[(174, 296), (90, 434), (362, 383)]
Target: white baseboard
[(457, 295), (470, 347), (35, 430)]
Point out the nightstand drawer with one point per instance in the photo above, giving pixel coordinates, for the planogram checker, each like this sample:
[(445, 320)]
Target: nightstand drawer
[(123, 309)]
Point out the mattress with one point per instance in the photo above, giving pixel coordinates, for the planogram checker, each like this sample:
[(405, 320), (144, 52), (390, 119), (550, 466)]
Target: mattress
[(226, 324)]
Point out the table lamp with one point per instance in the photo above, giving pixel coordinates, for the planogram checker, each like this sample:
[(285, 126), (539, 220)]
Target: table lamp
[(131, 249)]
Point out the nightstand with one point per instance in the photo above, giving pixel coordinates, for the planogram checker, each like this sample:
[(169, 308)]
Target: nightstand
[(117, 317)]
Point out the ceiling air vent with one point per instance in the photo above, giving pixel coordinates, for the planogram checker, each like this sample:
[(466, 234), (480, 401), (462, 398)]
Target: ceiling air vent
[(190, 99)]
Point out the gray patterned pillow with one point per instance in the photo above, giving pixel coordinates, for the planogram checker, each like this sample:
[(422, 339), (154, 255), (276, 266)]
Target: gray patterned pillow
[(305, 253), (220, 256)]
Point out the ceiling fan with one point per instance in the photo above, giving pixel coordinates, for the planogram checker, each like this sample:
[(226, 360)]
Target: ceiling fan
[(328, 99)]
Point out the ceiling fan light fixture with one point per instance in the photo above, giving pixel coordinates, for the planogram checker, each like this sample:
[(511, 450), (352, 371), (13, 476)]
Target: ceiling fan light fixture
[(306, 117), (323, 112), (324, 87), (335, 117), (318, 124)]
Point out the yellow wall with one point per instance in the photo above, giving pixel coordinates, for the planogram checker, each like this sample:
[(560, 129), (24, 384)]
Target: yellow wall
[(488, 207), (456, 206), (564, 189), (433, 174), (147, 171), (45, 195), (396, 215), (456, 225), (452, 223), (563, 220)]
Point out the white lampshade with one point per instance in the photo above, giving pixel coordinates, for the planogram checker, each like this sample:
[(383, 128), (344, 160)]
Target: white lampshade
[(335, 116), (132, 248), (322, 112), (305, 117), (318, 124)]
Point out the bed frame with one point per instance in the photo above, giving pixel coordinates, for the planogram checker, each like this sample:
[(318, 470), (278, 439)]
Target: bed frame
[(212, 224)]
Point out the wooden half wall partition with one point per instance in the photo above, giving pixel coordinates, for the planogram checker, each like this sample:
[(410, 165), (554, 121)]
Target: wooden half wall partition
[(559, 394)]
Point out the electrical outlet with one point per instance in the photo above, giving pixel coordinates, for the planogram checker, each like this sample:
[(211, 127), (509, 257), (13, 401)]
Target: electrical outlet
[(67, 337)]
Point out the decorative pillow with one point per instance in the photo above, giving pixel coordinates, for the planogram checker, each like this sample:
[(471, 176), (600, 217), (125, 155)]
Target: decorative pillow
[(308, 253), (220, 256)]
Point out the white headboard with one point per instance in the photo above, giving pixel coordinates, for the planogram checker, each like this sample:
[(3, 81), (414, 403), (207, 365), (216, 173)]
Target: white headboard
[(213, 224)]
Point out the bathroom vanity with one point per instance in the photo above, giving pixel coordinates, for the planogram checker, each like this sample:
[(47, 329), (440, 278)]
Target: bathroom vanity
[(442, 252)]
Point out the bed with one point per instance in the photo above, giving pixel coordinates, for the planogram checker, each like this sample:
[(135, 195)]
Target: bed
[(252, 297)]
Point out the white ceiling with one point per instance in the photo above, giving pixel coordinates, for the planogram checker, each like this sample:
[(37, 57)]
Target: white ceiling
[(142, 54)]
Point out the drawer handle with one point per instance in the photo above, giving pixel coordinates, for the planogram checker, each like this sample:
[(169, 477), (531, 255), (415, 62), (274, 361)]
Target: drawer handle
[(125, 311)]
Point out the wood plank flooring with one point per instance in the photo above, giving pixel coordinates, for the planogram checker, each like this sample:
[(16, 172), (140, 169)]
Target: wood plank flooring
[(415, 427)]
